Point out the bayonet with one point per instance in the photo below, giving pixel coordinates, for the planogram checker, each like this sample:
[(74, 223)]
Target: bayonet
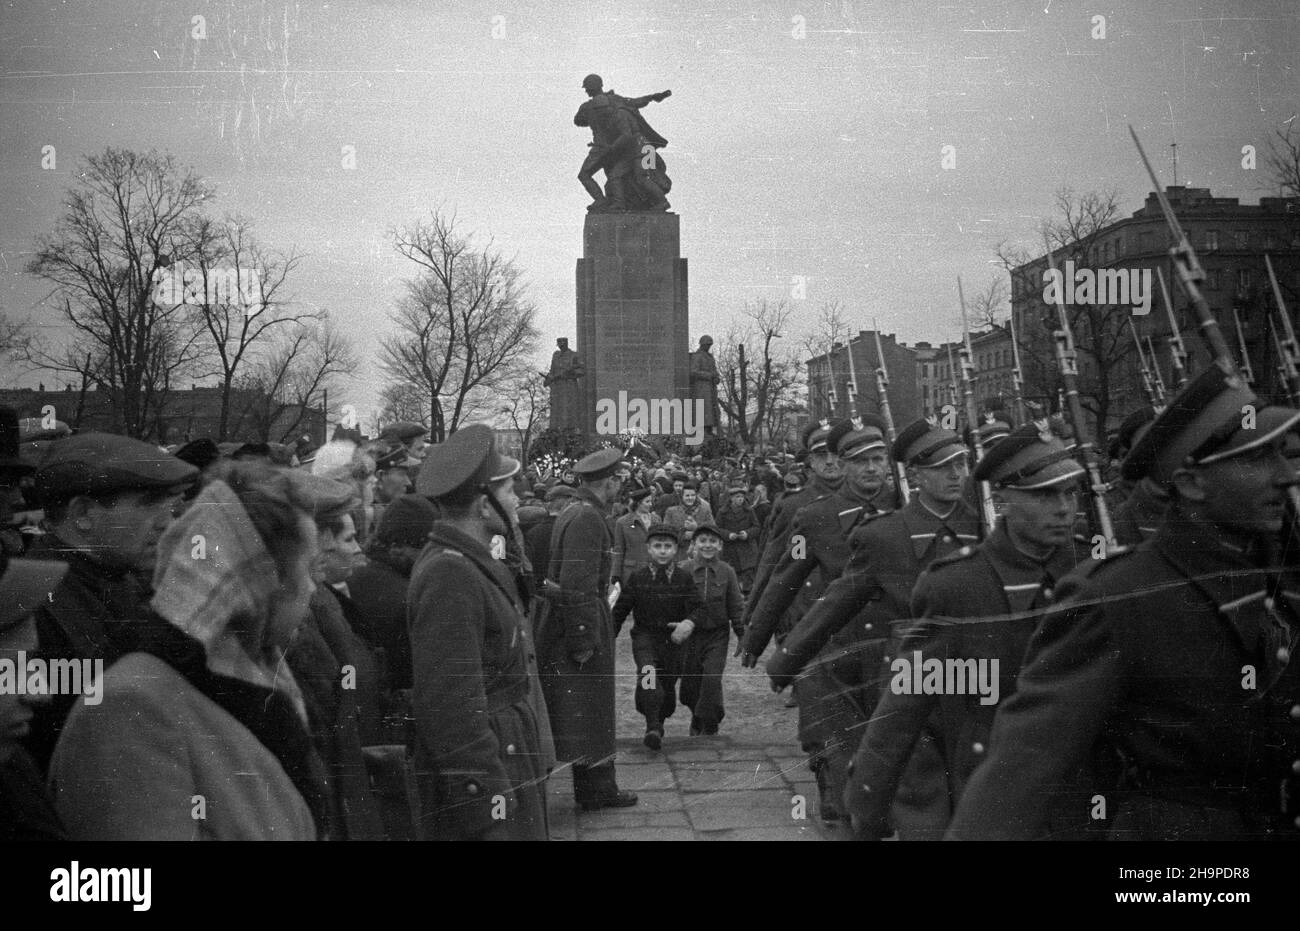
[(1288, 348)]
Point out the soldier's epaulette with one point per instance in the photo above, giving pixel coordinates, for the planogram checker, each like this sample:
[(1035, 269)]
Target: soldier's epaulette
[(849, 517), (960, 555)]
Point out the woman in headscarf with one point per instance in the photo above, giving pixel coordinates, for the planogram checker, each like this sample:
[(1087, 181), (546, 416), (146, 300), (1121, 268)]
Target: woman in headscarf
[(201, 732)]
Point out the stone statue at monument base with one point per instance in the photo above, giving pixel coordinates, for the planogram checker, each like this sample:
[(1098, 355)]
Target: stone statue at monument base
[(565, 381), (704, 383)]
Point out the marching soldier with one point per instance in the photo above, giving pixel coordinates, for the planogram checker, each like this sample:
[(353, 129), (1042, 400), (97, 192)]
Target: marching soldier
[(832, 710), (826, 480), (1010, 575), (1177, 654), (479, 757), (575, 644), (889, 553)]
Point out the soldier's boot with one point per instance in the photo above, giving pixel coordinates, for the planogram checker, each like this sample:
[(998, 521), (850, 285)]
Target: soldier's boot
[(828, 806), (600, 788)]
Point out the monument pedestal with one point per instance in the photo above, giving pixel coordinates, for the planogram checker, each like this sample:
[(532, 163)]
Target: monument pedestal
[(632, 310)]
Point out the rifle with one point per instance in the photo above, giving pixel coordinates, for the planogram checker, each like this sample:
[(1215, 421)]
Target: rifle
[(1288, 348), (853, 381), (987, 514), (1190, 276), (1148, 386), (1161, 393), (882, 389), (1067, 358), (952, 378), (1017, 376), (1177, 351), (1246, 370)]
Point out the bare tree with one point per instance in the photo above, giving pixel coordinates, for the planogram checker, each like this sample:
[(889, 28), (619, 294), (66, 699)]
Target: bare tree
[(402, 401), (15, 338), (462, 325), (1284, 159), (238, 304), (1100, 331), (303, 367), (828, 328), (755, 374), (984, 308), (102, 260), (528, 405)]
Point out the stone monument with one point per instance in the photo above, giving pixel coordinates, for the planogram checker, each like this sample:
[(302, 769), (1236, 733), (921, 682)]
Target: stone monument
[(704, 383), (631, 280), (565, 380)]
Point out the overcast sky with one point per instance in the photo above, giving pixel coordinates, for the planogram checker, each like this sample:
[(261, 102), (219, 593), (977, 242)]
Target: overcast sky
[(817, 156)]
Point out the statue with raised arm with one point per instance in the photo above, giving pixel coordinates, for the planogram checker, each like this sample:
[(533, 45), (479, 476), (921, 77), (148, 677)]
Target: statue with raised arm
[(704, 383), (623, 146), (565, 381)]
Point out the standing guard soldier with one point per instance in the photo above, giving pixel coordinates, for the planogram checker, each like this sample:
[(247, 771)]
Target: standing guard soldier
[(575, 644), (1178, 654), (480, 763), (832, 713), (978, 604), (889, 553)]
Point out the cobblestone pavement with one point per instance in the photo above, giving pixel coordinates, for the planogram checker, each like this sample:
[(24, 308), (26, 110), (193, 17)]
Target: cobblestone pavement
[(751, 782)]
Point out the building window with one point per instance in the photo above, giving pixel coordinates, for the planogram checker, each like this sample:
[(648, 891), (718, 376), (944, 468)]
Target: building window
[(1144, 242), (1243, 279), (1243, 239), (1211, 239), (1212, 279), (1270, 239)]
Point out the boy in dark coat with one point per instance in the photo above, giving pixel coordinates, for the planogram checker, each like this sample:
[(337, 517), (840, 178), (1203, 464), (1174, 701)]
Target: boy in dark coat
[(668, 608), (705, 655)]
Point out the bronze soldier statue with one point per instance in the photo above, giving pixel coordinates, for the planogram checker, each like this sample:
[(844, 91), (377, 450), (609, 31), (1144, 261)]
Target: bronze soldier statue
[(625, 147)]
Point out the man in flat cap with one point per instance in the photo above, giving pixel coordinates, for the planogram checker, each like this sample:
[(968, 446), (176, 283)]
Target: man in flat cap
[(979, 604), (478, 753), (1177, 655), (834, 698), (537, 537), (575, 644), (889, 553), (107, 500)]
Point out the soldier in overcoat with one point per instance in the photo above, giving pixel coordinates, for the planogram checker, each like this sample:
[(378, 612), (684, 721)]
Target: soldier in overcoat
[(480, 765), (575, 641)]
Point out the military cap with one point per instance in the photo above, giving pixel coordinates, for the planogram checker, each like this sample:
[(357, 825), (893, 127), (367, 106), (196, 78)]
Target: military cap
[(601, 464), (1029, 457), (395, 458), (466, 460), (26, 585), (640, 493), (1204, 424), (709, 529), (737, 488), (849, 439), (404, 431), (104, 463), (815, 435), (199, 453), (564, 491), (992, 431), (668, 531), (925, 445), (11, 464)]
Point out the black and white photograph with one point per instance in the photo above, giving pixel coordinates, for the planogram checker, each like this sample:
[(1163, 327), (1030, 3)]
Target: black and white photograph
[(860, 421)]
